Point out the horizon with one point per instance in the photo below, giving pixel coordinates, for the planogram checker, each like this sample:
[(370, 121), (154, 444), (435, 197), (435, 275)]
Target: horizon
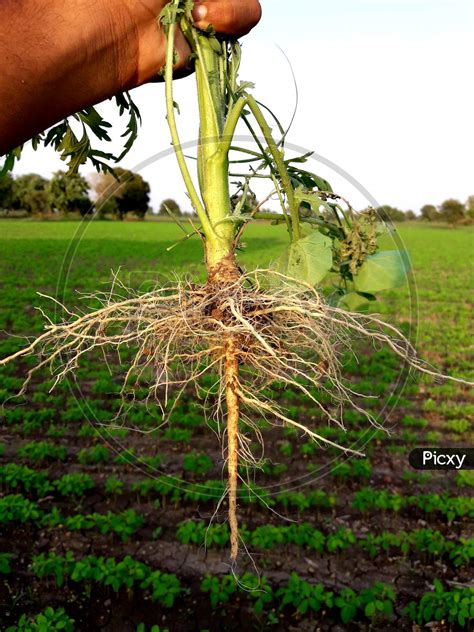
[(398, 127)]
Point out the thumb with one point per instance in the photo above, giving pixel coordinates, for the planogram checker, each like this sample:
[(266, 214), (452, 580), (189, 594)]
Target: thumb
[(228, 17)]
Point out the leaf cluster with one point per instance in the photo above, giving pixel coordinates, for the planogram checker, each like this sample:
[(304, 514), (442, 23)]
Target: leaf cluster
[(164, 588), (455, 606), (76, 148), (48, 620)]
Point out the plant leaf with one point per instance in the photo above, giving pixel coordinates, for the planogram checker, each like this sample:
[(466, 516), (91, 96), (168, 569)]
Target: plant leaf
[(353, 301), (382, 271), (309, 259), (315, 200)]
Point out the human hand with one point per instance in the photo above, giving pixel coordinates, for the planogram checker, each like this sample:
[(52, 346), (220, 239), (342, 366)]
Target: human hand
[(228, 17), (60, 57)]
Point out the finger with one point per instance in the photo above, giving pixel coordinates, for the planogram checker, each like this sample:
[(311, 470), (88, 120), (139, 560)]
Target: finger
[(228, 17)]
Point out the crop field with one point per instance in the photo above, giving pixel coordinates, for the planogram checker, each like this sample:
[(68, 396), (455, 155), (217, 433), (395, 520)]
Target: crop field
[(114, 523)]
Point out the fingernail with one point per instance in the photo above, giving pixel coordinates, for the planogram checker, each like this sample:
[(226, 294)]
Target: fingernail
[(199, 12)]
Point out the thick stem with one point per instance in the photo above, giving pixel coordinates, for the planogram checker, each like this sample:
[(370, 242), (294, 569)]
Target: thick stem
[(231, 377), (212, 152), (221, 264), (225, 272)]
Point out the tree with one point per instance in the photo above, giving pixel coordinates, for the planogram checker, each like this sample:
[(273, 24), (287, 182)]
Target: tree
[(7, 191), (69, 193), (390, 214), (100, 183), (102, 186), (429, 212), (410, 215), (452, 211), (470, 207), (172, 206), (132, 193), (31, 193), (126, 192)]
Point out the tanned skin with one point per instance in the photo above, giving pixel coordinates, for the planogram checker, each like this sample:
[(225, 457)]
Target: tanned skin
[(58, 56)]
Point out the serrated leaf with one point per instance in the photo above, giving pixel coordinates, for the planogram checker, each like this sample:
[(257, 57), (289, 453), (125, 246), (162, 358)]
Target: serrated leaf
[(8, 164), (313, 199), (301, 177), (125, 103), (76, 152), (383, 271), (95, 122), (309, 259)]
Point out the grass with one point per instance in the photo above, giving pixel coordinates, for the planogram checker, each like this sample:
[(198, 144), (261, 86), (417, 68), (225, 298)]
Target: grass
[(75, 257), (36, 256)]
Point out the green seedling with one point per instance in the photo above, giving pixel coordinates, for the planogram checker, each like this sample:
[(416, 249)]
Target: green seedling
[(248, 328)]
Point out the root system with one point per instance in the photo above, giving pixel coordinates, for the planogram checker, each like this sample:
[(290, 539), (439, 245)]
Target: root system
[(250, 331)]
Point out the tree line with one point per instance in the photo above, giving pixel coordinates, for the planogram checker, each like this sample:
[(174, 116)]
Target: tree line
[(127, 194), (450, 211), (103, 194)]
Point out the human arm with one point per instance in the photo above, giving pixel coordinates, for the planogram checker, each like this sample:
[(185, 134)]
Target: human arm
[(59, 57)]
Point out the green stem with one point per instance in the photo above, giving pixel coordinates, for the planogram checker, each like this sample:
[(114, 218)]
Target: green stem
[(252, 175), (231, 123), (213, 150), (274, 217), (207, 79), (195, 200), (280, 165), (219, 116), (282, 204)]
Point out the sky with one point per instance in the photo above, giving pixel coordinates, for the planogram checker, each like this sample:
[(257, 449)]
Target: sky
[(385, 100)]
